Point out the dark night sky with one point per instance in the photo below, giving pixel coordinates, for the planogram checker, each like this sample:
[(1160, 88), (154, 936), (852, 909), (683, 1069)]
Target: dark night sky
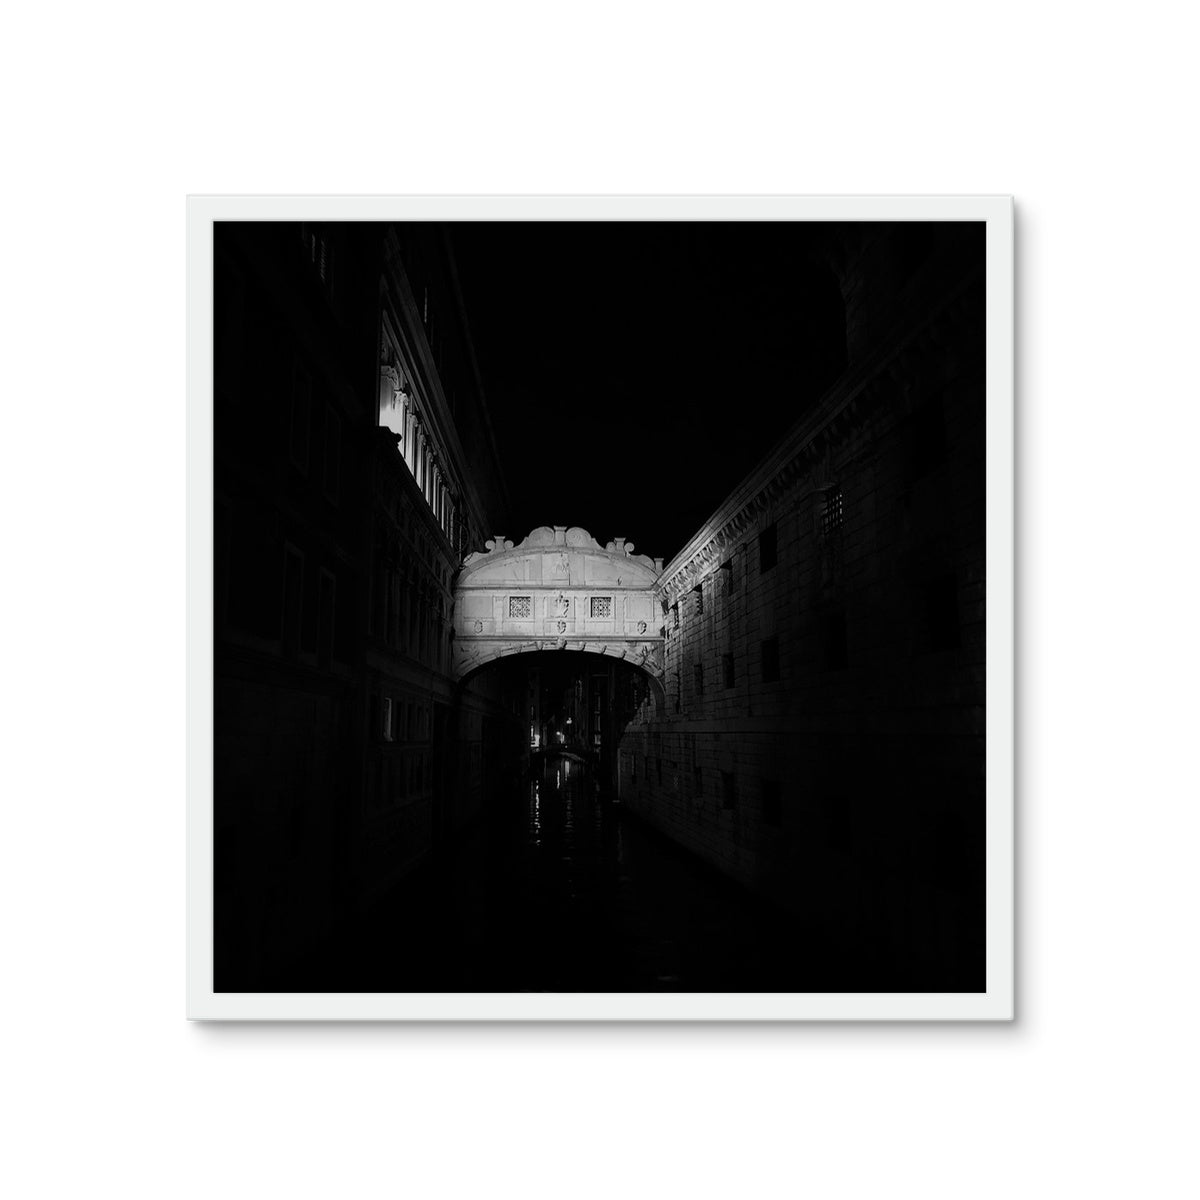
[(636, 372)]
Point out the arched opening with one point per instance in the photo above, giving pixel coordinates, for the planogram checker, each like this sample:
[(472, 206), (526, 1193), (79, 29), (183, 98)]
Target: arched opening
[(574, 704)]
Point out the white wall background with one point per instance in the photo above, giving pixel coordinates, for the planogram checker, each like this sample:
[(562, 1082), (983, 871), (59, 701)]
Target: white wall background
[(114, 112)]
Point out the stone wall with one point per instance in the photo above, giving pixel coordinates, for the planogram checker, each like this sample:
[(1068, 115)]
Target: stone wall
[(823, 734)]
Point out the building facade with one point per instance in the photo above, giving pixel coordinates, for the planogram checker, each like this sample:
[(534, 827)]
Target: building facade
[(822, 733), (353, 468)]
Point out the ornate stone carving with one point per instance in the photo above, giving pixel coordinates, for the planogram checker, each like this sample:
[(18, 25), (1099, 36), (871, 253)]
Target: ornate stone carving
[(556, 572)]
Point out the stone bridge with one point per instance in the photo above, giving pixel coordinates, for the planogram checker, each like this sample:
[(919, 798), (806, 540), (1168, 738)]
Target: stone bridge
[(558, 590)]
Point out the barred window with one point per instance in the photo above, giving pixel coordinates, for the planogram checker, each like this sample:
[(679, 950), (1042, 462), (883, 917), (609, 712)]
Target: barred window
[(520, 606), (601, 606), (832, 514)]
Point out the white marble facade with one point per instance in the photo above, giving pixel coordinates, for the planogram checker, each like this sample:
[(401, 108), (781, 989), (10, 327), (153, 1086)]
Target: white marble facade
[(557, 589)]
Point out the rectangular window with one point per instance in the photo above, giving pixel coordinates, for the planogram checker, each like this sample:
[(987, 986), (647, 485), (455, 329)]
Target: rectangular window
[(832, 513), (698, 678), (770, 660), (388, 731), (727, 669), (772, 803), (767, 548), (698, 781), (601, 606), (520, 607), (728, 790)]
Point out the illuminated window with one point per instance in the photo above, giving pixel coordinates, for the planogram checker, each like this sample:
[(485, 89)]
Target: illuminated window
[(601, 606), (520, 607), (831, 515)]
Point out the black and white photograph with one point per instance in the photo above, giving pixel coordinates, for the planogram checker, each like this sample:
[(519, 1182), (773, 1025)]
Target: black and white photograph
[(599, 601), (600, 606)]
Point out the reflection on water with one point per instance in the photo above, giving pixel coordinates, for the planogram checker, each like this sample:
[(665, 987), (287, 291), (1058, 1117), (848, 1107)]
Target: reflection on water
[(535, 813), (558, 890)]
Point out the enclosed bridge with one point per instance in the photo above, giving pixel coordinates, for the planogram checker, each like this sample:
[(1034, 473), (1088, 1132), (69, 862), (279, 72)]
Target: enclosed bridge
[(558, 590)]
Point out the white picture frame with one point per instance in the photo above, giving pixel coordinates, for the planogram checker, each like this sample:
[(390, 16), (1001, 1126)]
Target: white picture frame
[(996, 1003)]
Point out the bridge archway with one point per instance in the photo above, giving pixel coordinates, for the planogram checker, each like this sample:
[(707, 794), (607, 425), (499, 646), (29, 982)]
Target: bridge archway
[(532, 658), (559, 589)]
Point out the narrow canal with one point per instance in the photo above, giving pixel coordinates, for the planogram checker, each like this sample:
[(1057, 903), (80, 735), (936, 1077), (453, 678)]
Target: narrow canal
[(559, 890)]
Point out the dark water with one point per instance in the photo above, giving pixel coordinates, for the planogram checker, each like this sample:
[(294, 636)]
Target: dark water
[(559, 890)]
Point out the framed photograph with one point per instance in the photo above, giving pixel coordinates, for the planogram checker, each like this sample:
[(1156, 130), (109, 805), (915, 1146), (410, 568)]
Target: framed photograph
[(600, 608)]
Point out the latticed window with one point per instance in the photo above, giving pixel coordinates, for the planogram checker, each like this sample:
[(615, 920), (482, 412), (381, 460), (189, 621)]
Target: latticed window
[(601, 606), (831, 515), (520, 606)]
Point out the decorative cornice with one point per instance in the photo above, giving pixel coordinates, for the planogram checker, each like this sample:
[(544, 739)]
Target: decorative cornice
[(574, 537), (805, 447)]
